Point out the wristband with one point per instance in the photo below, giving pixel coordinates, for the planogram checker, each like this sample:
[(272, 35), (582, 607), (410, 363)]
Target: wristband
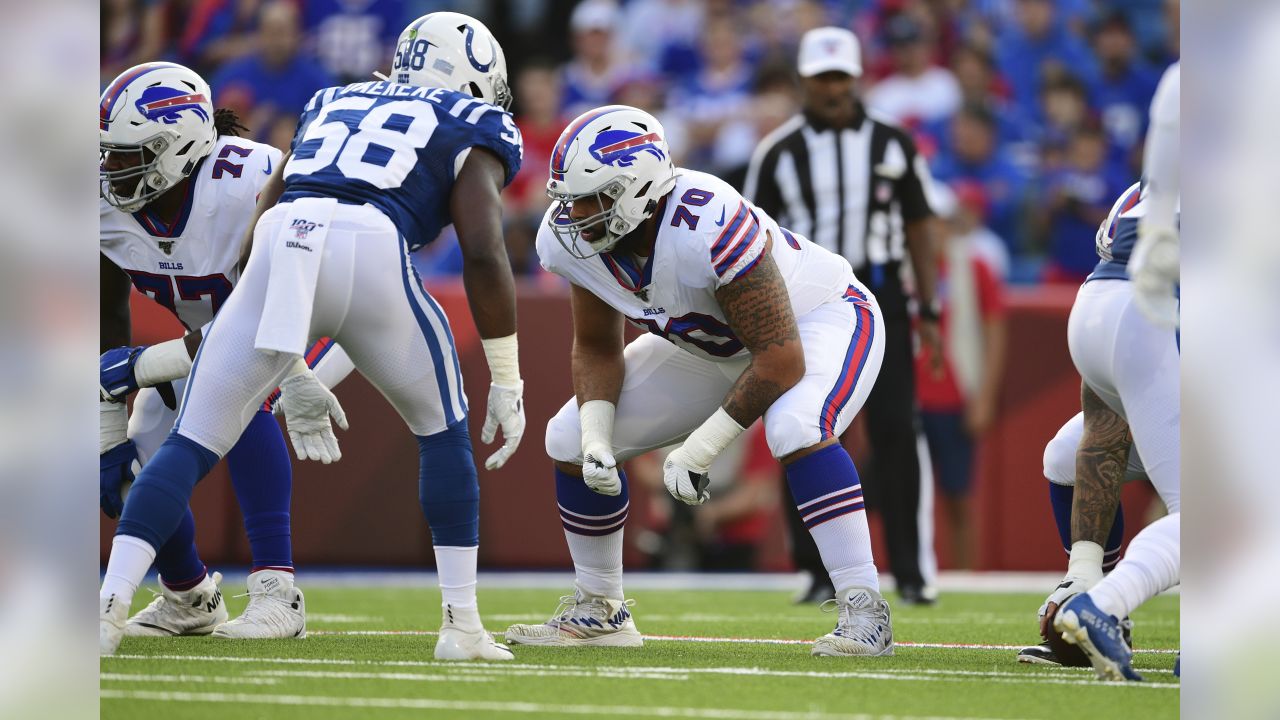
[(113, 425), (161, 363), (1086, 562), (710, 439), (504, 360), (596, 420)]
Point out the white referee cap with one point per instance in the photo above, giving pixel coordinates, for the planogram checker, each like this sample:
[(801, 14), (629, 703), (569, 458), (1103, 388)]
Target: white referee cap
[(830, 48)]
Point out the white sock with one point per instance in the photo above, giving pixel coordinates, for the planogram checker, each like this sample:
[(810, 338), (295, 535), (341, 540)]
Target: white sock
[(597, 560), (1150, 566), (130, 559), (845, 546), (456, 567)]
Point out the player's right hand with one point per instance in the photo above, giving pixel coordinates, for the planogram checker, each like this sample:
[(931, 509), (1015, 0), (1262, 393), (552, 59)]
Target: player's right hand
[(600, 470), (115, 372), (116, 467), (505, 410), (306, 405), (1067, 589)]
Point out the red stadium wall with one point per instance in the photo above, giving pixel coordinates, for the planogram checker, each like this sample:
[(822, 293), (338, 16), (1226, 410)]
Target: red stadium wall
[(364, 510)]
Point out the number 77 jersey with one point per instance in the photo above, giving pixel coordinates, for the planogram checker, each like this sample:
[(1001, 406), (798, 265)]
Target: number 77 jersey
[(396, 147), (190, 264)]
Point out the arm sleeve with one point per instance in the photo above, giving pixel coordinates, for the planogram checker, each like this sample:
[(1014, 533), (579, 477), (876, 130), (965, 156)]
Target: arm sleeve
[(1161, 158)]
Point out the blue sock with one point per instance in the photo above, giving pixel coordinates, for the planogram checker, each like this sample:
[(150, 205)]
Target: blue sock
[(158, 499), (263, 480), (586, 512), (448, 487), (178, 561), (1061, 497), (828, 494)]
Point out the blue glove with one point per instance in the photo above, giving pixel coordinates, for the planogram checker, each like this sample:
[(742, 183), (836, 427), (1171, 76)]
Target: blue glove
[(117, 379), (115, 468), (115, 372)]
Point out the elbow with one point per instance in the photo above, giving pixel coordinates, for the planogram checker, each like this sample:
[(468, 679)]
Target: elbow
[(785, 367)]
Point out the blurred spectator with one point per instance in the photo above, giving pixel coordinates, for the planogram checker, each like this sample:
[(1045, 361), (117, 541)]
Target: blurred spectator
[(121, 42), (646, 90), (1039, 45), (959, 403), (353, 38), (269, 87), (218, 31), (537, 94), (1078, 197), (917, 91), (1125, 86), (1064, 105), (975, 154), (662, 35), (717, 94), (595, 71)]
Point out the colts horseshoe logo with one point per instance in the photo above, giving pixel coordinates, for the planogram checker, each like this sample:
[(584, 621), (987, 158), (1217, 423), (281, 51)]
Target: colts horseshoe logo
[(493, 51)]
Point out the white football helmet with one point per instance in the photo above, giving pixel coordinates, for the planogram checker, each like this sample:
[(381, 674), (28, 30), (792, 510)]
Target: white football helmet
[(619, 152), (453, 51), (161, 112)]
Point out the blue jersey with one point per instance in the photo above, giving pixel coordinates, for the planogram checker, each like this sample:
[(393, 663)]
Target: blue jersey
[(396, 147)]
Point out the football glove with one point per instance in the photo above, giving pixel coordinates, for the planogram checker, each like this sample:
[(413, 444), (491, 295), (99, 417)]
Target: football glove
[(118, 378), (686, 483), (505, 410), (306, 405), (1154, 271), (116, 468), (1067, 589), (600, 470)]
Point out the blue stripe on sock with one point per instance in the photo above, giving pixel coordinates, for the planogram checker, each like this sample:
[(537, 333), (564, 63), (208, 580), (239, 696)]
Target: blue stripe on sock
[(581, 503)]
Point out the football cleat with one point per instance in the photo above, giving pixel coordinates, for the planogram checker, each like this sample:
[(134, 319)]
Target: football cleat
[(463, 637), (1099, 635), (111, 619), (181, 612), (1056, 651), (582, 620), (1040, 654), (864, 626), (276, 610)]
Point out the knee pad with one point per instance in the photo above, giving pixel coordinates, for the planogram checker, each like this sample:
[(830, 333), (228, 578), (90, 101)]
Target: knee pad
[(564, 436), (787, 431), (448, 487), (1060, 453)]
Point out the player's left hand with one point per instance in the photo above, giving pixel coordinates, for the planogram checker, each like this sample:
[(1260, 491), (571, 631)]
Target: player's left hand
[(505, 410), (1154, 271), (116, 468), (116, 378), (684, 481), (306, 405)]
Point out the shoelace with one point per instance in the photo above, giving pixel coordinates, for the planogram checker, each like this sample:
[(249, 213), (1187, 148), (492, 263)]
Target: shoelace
[(265, 608), (863, 629), (569, 608)]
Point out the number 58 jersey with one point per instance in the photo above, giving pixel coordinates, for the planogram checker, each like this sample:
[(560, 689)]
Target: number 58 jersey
[(396, 147), (190, 266)]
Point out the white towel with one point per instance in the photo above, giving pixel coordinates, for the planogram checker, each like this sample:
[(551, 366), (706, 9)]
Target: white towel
[(296, 251)]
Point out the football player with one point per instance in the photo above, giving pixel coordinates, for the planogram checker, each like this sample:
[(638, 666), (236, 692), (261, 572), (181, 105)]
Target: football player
[(178, 190), (745, 320), (376, 170)]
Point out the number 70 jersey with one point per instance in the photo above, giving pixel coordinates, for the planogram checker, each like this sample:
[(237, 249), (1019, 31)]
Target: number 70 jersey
[(396, 147)]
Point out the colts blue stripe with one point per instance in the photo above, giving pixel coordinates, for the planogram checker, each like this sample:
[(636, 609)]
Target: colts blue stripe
[(433, 342), (460, 397)]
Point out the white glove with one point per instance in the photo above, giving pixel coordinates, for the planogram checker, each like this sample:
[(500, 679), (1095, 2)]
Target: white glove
[(505, 410), (599, 468), (686, 483), (1154, 271), (306, 405), (1084, 570)]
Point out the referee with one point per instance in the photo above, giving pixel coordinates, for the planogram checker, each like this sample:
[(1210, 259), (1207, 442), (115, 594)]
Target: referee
[(856, 186)]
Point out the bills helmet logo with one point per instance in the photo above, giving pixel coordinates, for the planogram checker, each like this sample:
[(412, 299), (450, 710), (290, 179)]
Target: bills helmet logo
[(166, 105), (620, 147)]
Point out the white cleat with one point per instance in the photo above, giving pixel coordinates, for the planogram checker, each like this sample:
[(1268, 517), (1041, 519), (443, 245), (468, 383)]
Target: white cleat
[(112, 614), (181, 612), (582, 620), (463, 637), (276, 610), (863, 627)]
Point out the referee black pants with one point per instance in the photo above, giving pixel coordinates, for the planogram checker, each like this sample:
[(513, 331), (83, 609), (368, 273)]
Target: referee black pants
[(891, 483)]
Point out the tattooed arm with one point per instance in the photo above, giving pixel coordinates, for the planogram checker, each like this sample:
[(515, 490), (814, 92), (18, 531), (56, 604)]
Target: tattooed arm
[(596, 363), (759, 312), (1100, 467)]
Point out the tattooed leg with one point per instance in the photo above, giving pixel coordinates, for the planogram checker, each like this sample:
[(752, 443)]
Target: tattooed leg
[(1100, 466)]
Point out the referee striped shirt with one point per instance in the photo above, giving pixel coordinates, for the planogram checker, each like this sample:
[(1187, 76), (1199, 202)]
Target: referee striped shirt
[(850, 190)]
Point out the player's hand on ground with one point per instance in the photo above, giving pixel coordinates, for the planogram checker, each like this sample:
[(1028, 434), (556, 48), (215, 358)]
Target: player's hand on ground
[(116, 467), (1067, 589), (600, 470), (685, 483), (505, 410), (306, 405), (1154, 269)]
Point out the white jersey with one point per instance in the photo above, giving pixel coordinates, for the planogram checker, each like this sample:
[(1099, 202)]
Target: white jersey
[(707, 236), (190, 266)]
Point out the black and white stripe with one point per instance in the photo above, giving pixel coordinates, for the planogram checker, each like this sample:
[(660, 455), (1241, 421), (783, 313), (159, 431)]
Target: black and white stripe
[(851, 190)]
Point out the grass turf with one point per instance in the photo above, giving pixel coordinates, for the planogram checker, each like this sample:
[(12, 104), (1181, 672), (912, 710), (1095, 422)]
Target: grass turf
[(350, 668)]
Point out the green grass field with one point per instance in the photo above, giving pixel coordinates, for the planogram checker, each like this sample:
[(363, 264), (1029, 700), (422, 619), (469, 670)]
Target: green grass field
[(369, 655)]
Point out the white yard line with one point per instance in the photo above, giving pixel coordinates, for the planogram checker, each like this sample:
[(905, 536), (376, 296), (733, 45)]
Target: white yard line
[(342, 619), (1058, 676), (230, 680), (493, 706)]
